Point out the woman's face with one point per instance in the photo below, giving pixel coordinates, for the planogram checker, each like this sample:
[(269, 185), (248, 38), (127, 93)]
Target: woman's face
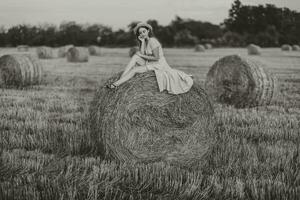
[(143, 32)]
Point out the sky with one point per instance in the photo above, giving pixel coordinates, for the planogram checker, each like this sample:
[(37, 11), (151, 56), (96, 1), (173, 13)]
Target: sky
[(119, 13)]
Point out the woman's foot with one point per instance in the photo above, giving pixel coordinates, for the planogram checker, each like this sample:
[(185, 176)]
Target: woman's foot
[(111, 86)]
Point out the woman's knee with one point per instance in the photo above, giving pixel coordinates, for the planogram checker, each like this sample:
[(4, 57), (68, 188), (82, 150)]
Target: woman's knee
[(135, 57), (138, 60)]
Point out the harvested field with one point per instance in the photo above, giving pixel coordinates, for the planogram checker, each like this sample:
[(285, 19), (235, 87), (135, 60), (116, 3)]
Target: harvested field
[(46, 149)]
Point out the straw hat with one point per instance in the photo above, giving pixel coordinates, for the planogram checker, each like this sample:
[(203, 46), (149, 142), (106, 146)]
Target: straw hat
[(141, 24)]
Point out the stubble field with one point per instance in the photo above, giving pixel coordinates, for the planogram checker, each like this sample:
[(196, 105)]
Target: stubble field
[(46, 152)]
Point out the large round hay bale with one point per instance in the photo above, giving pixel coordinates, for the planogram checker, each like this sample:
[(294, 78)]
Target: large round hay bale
[(44, 52), (62, 51), (199, 48), (132, 51), (286, 47), (138, 123), (94, 50), (241, 82), (78, 54), (20, 70), (208, 46), (296, 47), (254, 49), (23, 48)]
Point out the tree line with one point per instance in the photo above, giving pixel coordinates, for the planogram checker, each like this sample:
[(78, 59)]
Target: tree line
[(265, 25)]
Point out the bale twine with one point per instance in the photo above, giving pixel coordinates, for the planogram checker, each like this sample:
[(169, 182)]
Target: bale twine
[(78, 54), (254, 50), (296, 48), (138, 123), (133, 50), (20, 70), (286, 47), (94, 50), (199, 48), (241, 82), (208, 46), (23, 48), (62, 51), (44, 52)]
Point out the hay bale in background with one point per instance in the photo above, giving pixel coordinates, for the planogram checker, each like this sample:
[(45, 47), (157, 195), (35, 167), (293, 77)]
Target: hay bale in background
[(23, 48), (78, 54), (62, 51), (137, 122), (44, 52), (241, 82), (208, 46), (286, 47), (254, 49), (199, 48), (94, 50), (296, 48), (132, 51), (20, 70)]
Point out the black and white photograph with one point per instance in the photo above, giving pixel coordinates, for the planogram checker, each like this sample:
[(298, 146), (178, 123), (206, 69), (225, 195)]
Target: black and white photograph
[(149, 100)]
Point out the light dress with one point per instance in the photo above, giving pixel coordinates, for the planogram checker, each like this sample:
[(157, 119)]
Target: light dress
[(172, 80)]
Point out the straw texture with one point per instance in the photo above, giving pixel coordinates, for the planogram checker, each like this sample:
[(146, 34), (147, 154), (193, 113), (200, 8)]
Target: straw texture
[(296, 48), (20, 70), (23, 48), (138, 123), (241, 82), (199, 48), (286, 47), (94, 50), (62, 51), (78, 54), (44, 52), (254, 49), (208, 46)]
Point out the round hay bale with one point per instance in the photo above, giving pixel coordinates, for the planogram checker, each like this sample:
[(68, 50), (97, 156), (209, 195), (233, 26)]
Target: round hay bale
[(133, 50), (296, 48), (254, 50), (94, 50), (23, 48), (208, 46), (20, 70), (62, 51), (199, 48), (138, 123), (78, 54), (241, 82), (286, 47), (44, 52)]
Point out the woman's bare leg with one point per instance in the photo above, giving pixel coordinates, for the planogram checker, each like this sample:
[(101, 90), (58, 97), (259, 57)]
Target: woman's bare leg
[(135, 60), (130, 74)]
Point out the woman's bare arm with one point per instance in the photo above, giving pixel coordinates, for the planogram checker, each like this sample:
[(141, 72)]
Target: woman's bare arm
[(155, 56), (143, 47)]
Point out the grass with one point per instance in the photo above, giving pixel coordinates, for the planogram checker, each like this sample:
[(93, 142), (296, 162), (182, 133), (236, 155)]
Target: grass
[(46, 154)]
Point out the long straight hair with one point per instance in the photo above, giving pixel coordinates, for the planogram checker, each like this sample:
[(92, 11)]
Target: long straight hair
[(150, 34)]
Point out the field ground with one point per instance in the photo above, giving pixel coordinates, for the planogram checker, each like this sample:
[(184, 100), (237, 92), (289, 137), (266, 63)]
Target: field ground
[(46, 154)]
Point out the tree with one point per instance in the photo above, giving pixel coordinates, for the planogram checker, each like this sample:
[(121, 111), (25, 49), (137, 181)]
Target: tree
[(264, 24)]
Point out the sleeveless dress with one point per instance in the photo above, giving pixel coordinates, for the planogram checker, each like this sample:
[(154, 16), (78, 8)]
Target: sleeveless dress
[(172, 80)]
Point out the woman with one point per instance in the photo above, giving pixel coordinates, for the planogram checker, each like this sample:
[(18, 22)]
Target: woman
[(151, 58)]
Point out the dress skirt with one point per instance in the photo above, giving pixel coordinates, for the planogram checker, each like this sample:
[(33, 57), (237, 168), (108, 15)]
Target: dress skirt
[(172, 80)]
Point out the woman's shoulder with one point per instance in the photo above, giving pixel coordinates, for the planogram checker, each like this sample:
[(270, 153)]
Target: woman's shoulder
[(154, 42), (153, 39)]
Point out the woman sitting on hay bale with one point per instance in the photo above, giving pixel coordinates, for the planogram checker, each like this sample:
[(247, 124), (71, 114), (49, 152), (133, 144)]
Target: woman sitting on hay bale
[(151, 58)]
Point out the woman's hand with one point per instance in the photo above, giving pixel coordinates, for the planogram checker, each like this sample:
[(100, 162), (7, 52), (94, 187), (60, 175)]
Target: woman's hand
[(141, 38)]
